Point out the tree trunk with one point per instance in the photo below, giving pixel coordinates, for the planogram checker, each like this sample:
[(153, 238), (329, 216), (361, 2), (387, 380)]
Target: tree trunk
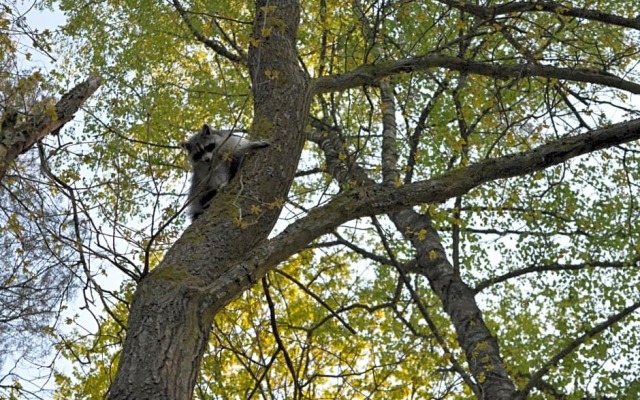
[(458, 300), (173, 309)]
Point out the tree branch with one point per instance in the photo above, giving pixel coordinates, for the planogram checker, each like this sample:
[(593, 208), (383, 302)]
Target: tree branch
[(390, 174), (370, 74), (17, 139), (551, 267), (577, 342), (426, 316), (278, 338), (212, 44), (543, 6), (317, 298), (377, 199)]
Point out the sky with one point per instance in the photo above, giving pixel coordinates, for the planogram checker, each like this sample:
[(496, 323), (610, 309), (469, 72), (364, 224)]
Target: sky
[(30, 18)]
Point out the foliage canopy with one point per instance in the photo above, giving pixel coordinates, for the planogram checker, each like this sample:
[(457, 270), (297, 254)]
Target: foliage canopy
[(492, 233)]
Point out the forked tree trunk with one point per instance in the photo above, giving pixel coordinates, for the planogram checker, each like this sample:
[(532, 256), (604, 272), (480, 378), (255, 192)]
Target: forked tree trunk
[(172, 309)]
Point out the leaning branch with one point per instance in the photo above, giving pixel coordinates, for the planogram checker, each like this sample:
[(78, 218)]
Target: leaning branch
[(17, 139), (378, 199), (370, 74)]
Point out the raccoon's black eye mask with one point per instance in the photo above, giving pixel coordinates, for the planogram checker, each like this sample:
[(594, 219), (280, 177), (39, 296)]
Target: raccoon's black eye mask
[(207, 149)]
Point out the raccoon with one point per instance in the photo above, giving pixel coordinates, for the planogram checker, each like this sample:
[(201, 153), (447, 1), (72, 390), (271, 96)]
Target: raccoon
[(215, 157)]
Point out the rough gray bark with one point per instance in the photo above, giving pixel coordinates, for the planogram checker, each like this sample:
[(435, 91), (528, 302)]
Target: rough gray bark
[(172, 309), (458, 300), (16, 139)]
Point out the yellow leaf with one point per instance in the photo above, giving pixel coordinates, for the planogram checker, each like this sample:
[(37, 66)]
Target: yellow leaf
[(272, 74), (255, 209), (255, 42)]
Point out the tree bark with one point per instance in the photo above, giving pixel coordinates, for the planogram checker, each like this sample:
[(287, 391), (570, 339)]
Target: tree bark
[(17, 139), (458, 300), (173, 308)]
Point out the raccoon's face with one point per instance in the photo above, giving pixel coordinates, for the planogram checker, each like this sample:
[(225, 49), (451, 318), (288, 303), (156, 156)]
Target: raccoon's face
[(200, 151), (201, 146)]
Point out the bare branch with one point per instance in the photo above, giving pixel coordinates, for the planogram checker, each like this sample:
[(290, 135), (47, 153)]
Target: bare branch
[(550, 267), (577, 342), (212, 44), (278, 338), (317, 298)]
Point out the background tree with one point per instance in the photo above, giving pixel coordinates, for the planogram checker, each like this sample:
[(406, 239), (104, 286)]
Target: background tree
[(38, 267), (459, 184)]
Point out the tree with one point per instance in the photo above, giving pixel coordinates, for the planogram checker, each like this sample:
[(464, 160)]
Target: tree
[(37, 274), (463, 217)]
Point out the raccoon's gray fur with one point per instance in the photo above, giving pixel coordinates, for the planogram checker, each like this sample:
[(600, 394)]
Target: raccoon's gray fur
[(215, 157)]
